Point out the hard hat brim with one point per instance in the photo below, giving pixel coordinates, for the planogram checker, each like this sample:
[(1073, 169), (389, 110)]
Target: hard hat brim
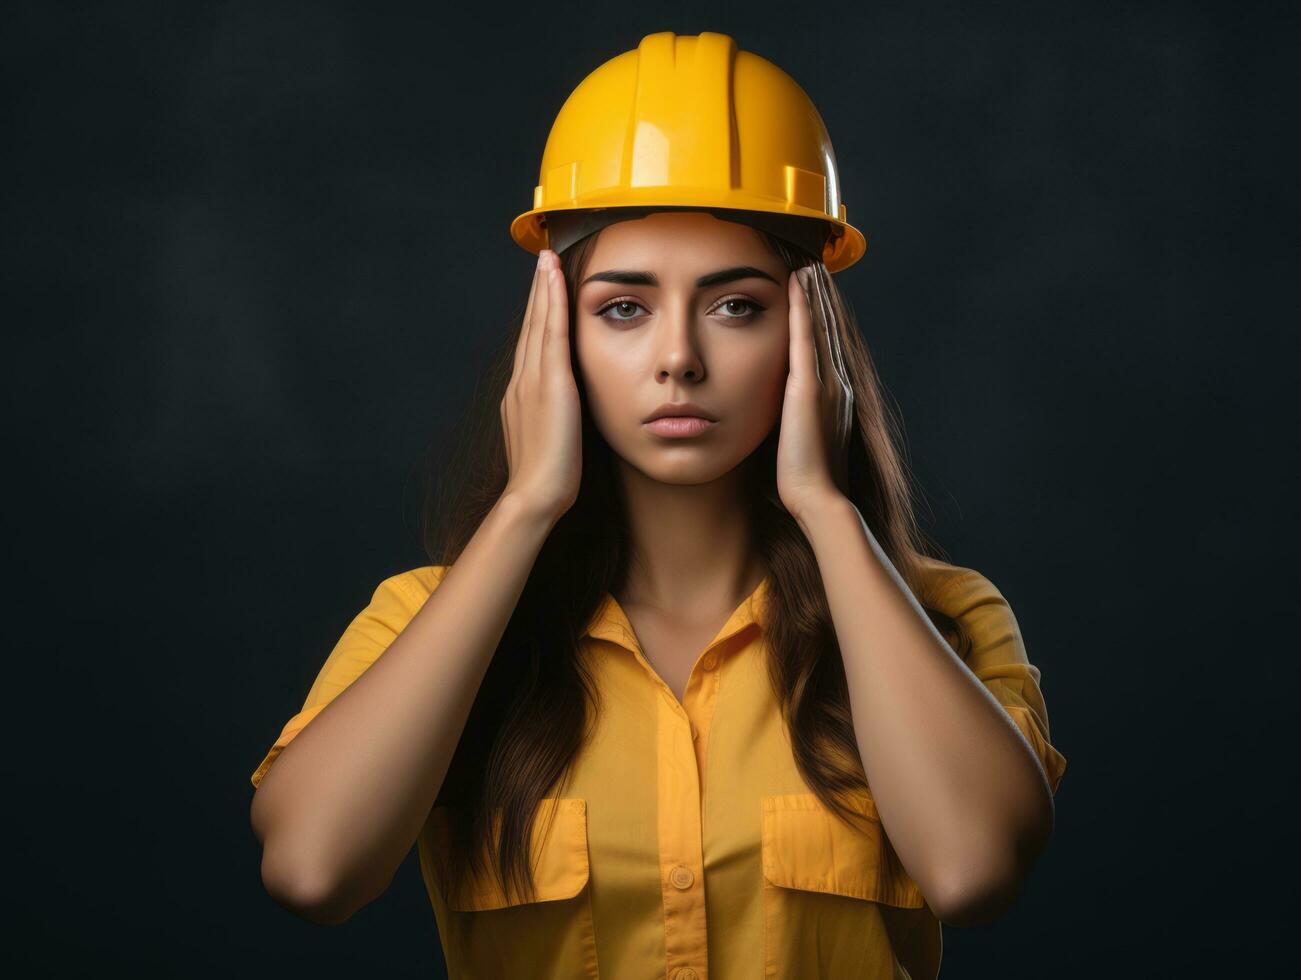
[(844, 246)]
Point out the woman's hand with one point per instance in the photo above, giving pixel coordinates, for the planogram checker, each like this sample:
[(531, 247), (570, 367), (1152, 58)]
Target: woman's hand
[(818, 411), (541, 416)]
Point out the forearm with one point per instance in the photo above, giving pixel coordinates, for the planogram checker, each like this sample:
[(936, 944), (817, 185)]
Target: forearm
[(958, 789), (344, 802)]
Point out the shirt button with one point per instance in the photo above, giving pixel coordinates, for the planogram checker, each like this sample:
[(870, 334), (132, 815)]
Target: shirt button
[(710, 662), (695, 732), (685, 974), (682, 877)]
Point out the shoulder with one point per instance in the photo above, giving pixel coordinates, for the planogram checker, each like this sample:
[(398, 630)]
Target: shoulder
[(399, 597), (955, 589), (417, 583), (970, 598)]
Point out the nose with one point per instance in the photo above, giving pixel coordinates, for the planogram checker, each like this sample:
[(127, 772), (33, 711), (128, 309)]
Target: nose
[(678, 352)]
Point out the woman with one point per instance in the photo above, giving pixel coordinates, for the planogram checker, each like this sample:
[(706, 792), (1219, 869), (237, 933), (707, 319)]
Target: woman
[(683, 693)]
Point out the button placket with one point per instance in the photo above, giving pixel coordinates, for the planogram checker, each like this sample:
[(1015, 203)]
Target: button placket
[(684, 729), (679, 788)]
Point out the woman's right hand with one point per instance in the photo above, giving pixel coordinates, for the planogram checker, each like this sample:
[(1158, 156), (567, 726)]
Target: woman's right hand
[(541, 415)]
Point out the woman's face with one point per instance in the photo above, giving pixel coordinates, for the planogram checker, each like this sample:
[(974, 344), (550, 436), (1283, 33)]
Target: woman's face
[(657, 335)]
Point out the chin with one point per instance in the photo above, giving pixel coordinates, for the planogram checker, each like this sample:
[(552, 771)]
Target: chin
[(690, 464)]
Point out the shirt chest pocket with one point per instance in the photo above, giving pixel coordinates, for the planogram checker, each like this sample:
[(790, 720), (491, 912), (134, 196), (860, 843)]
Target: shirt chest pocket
[(824, 883), (486, 934)]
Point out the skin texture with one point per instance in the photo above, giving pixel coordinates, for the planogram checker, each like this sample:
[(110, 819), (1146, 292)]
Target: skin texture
[(674, 342)]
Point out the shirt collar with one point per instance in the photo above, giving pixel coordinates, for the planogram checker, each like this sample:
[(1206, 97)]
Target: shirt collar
[(610, 622)]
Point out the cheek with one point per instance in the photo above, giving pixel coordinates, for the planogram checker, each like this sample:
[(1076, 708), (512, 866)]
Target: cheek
[(604, 374), (760, 381)]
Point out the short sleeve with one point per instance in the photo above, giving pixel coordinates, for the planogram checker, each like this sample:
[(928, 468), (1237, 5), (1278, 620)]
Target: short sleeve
[(998, 658), (393, 605)]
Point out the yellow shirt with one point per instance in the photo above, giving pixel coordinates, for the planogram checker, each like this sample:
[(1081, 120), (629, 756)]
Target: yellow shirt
[(686, 845)]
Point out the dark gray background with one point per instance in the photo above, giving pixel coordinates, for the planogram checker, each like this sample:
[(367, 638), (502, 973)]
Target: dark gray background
[(256, 255)]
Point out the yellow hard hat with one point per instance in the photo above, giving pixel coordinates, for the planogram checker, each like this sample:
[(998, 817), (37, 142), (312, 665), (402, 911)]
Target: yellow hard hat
[(691, 122)]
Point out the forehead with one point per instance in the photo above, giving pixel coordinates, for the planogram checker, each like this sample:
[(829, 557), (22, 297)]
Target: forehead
[(688, 240)]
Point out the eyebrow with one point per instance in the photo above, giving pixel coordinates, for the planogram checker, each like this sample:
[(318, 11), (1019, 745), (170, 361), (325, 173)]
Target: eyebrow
[(629, 277)]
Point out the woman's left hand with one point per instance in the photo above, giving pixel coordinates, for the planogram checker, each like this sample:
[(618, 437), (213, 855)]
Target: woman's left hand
[(818, 411)]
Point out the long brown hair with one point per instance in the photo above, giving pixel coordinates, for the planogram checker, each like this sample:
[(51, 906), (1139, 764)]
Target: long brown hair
[(531, 714)]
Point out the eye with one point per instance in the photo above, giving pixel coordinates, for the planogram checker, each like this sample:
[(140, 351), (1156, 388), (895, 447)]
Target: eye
[(755, 308), (618, 303)]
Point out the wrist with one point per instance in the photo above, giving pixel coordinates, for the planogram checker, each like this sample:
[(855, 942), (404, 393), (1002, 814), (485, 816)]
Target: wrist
[(824, 510), (520, 511)]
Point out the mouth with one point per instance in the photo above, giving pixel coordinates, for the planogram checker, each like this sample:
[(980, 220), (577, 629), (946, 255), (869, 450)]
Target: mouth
[(680, 426)]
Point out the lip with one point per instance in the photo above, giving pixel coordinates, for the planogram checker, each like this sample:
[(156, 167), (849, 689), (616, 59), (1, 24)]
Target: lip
[(680, 426), (680, 409)]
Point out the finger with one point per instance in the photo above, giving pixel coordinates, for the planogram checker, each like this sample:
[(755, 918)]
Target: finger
[(555, 342), (537, 323), (528, 315), (832, 319), (844, 392), (803, 353), (820, 326)]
